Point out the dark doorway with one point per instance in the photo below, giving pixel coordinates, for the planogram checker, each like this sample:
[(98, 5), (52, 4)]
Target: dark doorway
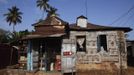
[(51, 53), (130, 58)]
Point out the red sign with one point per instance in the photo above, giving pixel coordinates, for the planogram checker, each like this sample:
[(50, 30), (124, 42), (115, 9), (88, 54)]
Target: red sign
[(67, 53)]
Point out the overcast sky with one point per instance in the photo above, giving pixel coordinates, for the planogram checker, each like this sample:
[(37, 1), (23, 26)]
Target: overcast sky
[(102, 12)]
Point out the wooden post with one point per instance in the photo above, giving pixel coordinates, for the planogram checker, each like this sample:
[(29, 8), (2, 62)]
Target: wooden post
[(29, 57)]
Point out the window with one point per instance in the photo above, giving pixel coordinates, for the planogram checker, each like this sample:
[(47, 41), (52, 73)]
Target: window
[(81, 43), (102, 42)]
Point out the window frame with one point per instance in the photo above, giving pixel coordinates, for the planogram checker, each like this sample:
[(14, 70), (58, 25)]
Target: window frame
[(84, 43), (100, 44)]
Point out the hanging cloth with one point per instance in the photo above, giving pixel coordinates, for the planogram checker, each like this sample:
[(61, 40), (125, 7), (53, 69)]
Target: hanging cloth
[(80, 42)]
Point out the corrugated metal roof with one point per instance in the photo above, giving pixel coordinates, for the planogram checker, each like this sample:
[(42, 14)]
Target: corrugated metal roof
[(94, 27), (56, 27), (53, 20), (38, 36)]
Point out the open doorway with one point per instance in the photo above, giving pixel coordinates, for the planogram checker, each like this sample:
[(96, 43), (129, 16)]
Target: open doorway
[(50, 54)]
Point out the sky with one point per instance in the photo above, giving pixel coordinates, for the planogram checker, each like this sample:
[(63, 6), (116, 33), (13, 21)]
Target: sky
[(101, 12)]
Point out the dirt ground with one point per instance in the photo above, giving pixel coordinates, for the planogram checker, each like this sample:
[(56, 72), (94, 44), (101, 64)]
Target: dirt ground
[(129, 71), (23, 72)]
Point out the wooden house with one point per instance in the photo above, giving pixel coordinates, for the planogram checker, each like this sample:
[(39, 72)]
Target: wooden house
[(58, 45)]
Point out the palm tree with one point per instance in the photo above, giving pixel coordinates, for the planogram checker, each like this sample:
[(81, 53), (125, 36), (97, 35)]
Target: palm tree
[(52, 12), (43, 4), (13, 16)]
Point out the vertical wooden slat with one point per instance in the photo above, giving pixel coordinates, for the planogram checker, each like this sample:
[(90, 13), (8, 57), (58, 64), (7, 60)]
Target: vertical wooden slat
[(29, 57)]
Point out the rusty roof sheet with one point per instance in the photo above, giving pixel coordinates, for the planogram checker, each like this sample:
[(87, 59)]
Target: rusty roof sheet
[(94, 27), (53, 20), (50, 27), (38, 36)]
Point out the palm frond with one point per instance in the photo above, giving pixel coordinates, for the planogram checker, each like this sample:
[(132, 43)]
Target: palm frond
[(13, 16), (43, 4)]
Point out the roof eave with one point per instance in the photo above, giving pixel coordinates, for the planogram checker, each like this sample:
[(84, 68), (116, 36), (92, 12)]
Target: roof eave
[(101, 29)]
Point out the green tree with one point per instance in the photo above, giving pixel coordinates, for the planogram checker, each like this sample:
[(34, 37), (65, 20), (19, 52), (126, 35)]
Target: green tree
[(4, 38), (52, 12), (43, 5), (13, 16), (46, 7), (16, 36)]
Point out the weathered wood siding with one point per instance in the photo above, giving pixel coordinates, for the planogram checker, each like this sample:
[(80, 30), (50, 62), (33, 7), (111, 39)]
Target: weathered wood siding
[(35, 51), (68, 62)]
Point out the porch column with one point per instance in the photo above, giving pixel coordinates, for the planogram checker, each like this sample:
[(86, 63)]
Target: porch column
[(29, 56)]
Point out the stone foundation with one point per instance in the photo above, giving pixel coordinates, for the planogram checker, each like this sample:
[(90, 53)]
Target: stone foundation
[(103, 66)]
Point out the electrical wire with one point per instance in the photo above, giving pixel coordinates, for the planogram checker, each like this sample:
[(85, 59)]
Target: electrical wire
[(86, 7), (131, 16), (123, 15)]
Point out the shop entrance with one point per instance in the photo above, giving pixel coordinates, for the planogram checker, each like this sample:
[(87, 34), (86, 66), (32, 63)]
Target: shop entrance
[(50, 54)]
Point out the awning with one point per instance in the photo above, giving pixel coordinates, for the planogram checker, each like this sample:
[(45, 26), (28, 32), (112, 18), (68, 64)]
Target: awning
[(37, 36)]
